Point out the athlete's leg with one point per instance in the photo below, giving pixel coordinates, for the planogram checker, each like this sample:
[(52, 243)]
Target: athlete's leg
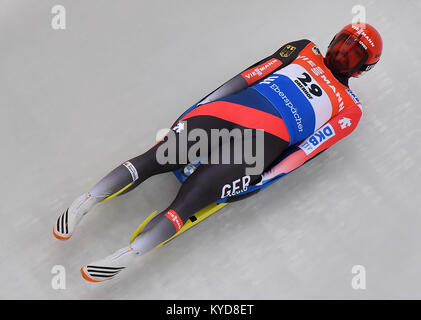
[(123, 178), (133, 172), (120, 180), (203, 187), (206, 185)]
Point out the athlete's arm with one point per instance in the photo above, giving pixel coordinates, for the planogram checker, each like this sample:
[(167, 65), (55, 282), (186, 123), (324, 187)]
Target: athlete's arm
[(333, 131), (281, 58)]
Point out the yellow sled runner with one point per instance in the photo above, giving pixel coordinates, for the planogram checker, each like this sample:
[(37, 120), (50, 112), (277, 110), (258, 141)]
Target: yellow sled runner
[(192, 221), (200, 215)]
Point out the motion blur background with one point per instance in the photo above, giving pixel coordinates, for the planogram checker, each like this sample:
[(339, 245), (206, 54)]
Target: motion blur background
[(75, 103)]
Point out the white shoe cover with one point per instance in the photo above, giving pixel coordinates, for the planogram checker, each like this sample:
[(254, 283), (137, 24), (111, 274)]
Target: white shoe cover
[(109, 267), (68, 221)]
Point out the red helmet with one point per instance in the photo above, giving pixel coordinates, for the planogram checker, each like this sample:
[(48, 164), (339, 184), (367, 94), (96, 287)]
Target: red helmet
[(354, 50)]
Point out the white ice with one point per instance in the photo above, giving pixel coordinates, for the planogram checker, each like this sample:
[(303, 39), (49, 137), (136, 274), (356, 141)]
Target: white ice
[(75, 103)]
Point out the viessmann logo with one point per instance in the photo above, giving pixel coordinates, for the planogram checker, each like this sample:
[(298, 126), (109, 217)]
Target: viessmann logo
[(261, 70), (175, 219), (320, 73), (361, 32)]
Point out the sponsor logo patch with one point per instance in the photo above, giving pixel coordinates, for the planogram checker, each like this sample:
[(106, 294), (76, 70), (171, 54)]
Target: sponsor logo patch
[(345, 122), (132, 170), (286, 52), (289, 105), (261, 70), (188, 170), (175, 219), (361, 33), (316, 50), (179, 127), (352, 95), (317, 139)]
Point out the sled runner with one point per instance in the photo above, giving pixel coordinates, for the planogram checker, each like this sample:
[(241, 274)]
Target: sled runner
[(193, 220), (182, 174)]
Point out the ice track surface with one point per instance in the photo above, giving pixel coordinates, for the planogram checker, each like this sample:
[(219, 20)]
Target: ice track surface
[(76, 103)]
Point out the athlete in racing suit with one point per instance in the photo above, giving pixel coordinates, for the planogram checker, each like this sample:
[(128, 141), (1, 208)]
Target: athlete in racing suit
[(302, 107)]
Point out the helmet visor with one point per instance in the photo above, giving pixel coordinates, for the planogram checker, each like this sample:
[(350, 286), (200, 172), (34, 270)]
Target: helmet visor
[(346, 55)]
